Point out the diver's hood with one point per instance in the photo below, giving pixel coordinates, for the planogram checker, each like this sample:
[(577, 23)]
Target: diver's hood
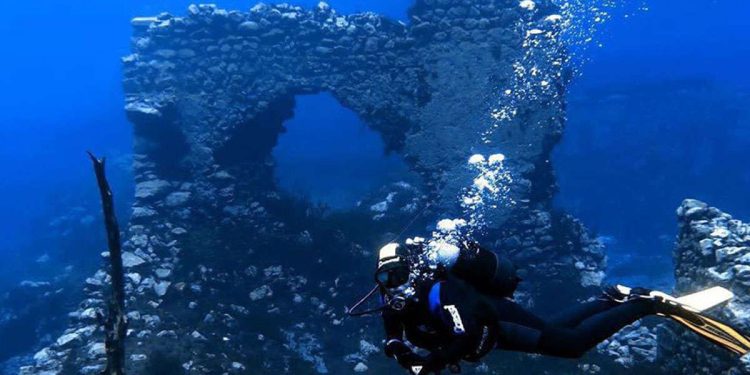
[(388, 256)]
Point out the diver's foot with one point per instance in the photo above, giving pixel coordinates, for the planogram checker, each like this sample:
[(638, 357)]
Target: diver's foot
[(663, 304), (620, 294), (668, 305), (613, 293)]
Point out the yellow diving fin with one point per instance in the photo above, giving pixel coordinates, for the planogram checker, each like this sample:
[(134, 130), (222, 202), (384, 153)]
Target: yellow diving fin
[(688, 311), (706, 299), (715, 331)]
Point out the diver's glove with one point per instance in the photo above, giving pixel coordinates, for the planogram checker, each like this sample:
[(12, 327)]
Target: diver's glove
[(402, 353)]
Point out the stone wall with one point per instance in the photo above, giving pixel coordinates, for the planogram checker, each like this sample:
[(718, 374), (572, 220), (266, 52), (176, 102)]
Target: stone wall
[(712, 249), (428, 89), (226, 274)]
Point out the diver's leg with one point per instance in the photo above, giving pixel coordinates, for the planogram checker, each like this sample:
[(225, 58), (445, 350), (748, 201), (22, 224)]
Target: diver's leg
[(574, 342), (511, 312), (575, 314), (521, 330), (518, 338)]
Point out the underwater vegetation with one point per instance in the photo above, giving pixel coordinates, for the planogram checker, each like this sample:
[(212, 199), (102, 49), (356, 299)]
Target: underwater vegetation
[(230, 268)]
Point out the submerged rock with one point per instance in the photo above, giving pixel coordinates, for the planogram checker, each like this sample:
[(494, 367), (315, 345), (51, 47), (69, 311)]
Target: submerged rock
[(177, 198), (361, 367), (713, 249), (163, 273), (635, 345), (161, 288), (150, 189), (67, 339), (130, 260), (97, 350), (260, 293)]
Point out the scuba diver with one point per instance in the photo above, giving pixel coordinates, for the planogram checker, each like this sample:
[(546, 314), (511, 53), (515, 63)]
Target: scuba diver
[(463, 309)]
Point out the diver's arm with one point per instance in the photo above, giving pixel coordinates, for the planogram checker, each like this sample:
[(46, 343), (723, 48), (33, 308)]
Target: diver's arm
[(459, 307), (395, 346), (452, 353), (449, 354), (394, 329)]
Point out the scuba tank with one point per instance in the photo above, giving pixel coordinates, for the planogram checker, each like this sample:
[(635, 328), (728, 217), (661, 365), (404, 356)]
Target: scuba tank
[(490, 273)]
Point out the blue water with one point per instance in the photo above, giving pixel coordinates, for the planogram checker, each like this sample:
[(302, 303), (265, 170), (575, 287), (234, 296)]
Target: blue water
[(312, 161), (623, 172), (677, 125)]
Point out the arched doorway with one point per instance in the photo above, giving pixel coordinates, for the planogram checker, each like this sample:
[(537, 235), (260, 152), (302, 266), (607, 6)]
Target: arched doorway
[(329, 156)]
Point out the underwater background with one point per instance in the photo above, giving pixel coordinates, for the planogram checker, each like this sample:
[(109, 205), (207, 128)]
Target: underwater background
[(658, 111)]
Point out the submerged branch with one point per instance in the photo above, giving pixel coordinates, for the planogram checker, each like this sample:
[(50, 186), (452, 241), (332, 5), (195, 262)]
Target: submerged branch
[(115, 323)]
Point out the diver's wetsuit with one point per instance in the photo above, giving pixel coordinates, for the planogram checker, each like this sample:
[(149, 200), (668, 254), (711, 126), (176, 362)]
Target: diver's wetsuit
[(455, 322)]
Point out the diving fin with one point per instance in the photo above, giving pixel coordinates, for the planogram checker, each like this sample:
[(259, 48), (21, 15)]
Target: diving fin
[(696, 302), (687, 310), (714, 331), (706, 299)]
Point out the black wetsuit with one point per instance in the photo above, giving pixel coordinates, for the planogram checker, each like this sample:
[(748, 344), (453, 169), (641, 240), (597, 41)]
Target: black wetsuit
[(455, 322)]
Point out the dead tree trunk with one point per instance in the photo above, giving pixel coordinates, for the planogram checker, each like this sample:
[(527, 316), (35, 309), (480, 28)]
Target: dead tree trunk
[(115, 323)]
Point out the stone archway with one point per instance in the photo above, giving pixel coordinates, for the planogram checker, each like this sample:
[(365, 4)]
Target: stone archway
[(427, 91), (328, 155), (222, 83)]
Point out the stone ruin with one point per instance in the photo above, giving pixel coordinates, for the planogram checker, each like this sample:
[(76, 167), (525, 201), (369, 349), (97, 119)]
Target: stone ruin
[(228, 274), (713, 248)]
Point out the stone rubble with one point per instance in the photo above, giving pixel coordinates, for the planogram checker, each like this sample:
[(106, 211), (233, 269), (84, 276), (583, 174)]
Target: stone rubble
[(635, 345)]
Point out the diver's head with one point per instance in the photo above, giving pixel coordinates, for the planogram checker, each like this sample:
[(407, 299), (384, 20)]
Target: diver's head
[(394, 280), (393, 275)]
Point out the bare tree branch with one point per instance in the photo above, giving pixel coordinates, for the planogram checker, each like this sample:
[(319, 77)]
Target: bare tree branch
[(115, 324)]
